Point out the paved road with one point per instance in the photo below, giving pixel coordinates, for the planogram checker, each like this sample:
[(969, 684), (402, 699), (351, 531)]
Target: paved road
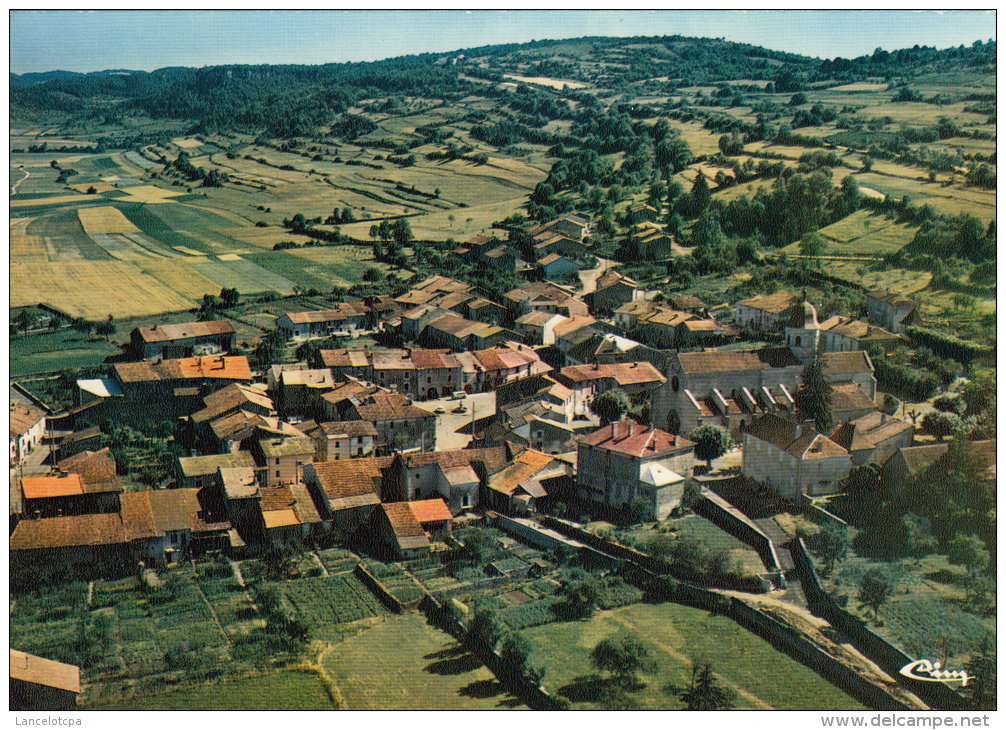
[(588, 277)]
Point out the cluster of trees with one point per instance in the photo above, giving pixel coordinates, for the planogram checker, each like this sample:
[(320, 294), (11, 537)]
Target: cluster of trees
[(211, 179), (211, 305)]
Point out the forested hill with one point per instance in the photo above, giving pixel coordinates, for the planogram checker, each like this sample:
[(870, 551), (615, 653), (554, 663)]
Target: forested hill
[(294, 99)]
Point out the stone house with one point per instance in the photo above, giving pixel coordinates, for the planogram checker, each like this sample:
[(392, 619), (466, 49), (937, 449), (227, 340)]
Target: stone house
[(767, 312), (793, 459), (173, 341), (315, 325), (624, 462), (892, 311), (344, 440)]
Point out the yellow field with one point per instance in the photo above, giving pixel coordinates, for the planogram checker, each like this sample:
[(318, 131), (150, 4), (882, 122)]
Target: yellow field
[(55, 200), (862, 233), (177, 275), (151, 193), (700, 140), (92, 289), (895, 280), (99, 187), (187, 142), (105, 220), (860, 87), (28, 247), (545, 81)]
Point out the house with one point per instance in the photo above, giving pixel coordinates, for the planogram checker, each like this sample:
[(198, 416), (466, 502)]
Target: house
[(27, 427), (501, 258), (487, 312), (417, 373), (486, 370), (457, 476), (909, 459), (347, 363), (336, 440), (660, 328), (611, 291), (78, 441), (767, 312), (337, 402), (624, 462), (856, 368), (346, 492), (52, 496), (557, 267), (168, 388), (793, 459), (289, 515), (226, 402), (525, 483), (540, 295), (547, 242), (637, 380), (570, 225), (346, 317), (201, 471), (432, 515), (702, 333), (848, 402), (179, 526), (299, 391), (384, 311), (690, 304), (573, 331), (42, 684), (873, 437), (650, 241), (641, 212), (805, 335), (630, 315), (457, 333), (725, 387), (282, 460), (98, 477), (173, 341), (538, 327), (399, 424), (397, 529), (893, 312)]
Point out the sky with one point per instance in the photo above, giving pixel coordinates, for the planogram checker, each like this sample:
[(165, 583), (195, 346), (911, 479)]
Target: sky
[(85, 41)]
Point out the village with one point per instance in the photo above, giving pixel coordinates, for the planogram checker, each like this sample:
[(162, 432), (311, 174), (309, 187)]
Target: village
[(523, 421)]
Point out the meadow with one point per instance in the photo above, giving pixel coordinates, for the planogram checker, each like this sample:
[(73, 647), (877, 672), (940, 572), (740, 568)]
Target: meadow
[(762, 677)]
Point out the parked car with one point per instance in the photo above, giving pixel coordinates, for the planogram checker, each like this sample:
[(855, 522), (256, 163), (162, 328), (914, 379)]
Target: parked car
[(439, 410)]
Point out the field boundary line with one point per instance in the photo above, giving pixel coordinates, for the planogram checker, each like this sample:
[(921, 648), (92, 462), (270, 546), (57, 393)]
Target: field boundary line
[(214, 615)]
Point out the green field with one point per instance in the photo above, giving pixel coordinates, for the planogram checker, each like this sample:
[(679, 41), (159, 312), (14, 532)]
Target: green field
[(63, 349), (862, 234), (762, 677), (288, 690), (404, 663)]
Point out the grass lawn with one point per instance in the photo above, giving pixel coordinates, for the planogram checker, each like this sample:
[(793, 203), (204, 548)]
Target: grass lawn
[(290, 690), (406, 664), (63, 349), (762, 677)]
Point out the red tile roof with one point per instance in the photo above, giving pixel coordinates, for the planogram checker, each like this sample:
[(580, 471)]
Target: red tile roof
[(96, 469), (771, 303), (721, 361), (623, 373), (637, 440), (799, 440), (430, 510), (409, 534), (191, 368), (64, 485), (22, 418), (350, 482), (493, 457), (357, 357), (344, 311)]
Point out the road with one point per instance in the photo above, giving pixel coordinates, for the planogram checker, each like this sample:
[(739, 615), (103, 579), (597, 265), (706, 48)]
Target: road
[(588, 277), (13, 188)]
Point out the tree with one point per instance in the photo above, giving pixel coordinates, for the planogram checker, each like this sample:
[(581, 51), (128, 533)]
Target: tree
[(514, 650), (940, 425), (271, 349), (711, 442), (624, 656), (485, 627), (582, 595), (874, 590), (704, 691), (968, 551), (981, 669), (831, 545), (401, 232), (814, 396), (700, 195), (610, 405), (229, 297), (812, 246), (949, 404)]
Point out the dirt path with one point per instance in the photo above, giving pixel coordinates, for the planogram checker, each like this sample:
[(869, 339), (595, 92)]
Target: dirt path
[(686, 660), (13, 188), (216, 619), (319, 663), (588, 277), (90, 593)]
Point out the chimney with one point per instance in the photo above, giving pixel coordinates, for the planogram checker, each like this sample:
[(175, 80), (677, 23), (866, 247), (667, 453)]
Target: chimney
[(799, 431)]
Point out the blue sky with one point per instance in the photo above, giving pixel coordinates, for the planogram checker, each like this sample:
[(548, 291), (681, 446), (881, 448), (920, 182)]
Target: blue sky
[(146, 40)]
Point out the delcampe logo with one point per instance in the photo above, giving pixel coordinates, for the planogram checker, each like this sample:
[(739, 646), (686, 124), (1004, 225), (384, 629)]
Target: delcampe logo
[(928, 671)]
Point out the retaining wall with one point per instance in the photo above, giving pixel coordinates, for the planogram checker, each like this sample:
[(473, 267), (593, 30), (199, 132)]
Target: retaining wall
[(393, 604), (883, 654), (727, 517)]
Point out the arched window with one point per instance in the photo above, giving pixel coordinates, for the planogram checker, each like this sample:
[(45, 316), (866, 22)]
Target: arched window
[(798, 340), (675, 384)]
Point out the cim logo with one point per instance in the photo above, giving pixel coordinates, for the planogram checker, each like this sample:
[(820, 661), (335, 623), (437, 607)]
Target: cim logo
[(927, 671)]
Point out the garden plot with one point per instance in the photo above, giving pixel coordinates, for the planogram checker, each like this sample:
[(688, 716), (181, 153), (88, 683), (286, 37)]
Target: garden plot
[(338, 561), (324, 603)]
